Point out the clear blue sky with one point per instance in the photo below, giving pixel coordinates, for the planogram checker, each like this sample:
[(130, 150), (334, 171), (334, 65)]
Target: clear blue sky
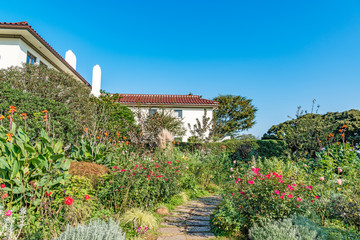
[(281, 54)]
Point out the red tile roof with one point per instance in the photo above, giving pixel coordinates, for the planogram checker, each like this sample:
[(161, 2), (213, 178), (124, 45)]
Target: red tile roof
[(159, 99), (25, 25)]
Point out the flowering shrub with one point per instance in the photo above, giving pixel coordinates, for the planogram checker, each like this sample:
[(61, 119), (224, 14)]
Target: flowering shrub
[(259, 195), (10, 226), (143, 183)]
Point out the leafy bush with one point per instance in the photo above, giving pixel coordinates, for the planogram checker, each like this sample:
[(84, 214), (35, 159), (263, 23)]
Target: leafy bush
[(25, 166), (141, 182), (303, 133), (295, 228), (95, 229)]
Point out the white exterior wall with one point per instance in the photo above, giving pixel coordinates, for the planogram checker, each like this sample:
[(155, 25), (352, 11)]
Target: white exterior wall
[(190, 114), (13, 52)]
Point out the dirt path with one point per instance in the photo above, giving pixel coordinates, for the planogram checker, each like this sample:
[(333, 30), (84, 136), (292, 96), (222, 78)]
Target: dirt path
[(190, 221)]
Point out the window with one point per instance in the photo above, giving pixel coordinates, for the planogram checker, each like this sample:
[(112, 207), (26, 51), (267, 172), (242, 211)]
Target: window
[(152, 111), (30, 59), (43, 64), (178, 113)]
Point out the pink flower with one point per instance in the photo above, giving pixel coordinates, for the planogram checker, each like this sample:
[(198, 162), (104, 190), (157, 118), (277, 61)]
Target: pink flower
[(251, 182), (268, 176), (2, 185), (317, 197), (241, 192), (115, 167), (169, 162), (231, 169), (299, 199), (290, 196), (294, 185), (282, 197), (8, 213), (232, 194), (340, 169), (281, 181), (289, 186), (256, 170), (122, 170), (339, 181), (234, 162), (322, 178), (277, 192), (309, 187)]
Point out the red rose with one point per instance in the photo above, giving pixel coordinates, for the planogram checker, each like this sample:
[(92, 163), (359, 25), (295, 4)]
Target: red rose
[(87, 197), (69, 201)]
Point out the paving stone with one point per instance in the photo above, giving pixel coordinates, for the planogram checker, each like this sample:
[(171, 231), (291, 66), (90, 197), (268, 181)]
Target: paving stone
[(174, 219), (184, 210), (172, 224), (200, 213), (201, 218), (200, 236), (171, 230), (198, 229), (197, 223), (176, 237)]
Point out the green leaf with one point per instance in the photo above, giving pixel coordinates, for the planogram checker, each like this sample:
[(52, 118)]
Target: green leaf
[(66, 164), (3, 163), (58, 147), (56, 157), (15, 169)]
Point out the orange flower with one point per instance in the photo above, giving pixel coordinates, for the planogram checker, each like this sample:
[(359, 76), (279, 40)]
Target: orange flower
[(24, 115), (118, 134), (124, 138), (9, 135), (343, 135), (105, 133), (2, 117), (12, 109), (45, 111), (97, 137), (127, 143), (344, 126), (45, 118), (86, 129), (330, 135), (340, 130)]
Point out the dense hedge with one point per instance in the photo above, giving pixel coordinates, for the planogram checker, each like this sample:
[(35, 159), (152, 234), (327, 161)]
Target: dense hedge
[(242, 149)]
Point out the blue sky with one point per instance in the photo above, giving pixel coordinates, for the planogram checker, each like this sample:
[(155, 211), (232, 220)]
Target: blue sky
[(281, 54)]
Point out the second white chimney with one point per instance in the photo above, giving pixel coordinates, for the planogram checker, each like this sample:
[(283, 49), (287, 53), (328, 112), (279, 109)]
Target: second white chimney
[(96, 81)]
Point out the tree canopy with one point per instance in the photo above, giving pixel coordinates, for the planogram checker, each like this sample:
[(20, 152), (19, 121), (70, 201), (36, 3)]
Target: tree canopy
[(234, 114)]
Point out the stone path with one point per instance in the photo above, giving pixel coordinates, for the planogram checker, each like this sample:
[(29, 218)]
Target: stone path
[(190, 221)]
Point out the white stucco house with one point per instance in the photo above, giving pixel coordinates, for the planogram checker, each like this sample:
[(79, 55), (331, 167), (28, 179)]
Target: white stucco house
[(187, 107), (20, 43)]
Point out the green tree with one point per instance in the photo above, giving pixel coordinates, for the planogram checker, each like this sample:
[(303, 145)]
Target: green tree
[(234, 114)]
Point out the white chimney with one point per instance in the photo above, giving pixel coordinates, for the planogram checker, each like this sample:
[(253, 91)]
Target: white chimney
[(96, 81), (71, 58)]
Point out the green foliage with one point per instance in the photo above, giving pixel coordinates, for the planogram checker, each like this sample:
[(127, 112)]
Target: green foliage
[(304, 133), (234, 114), (95, 229), (35, 89), (295, 228), (62, 120), (24, 165)]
